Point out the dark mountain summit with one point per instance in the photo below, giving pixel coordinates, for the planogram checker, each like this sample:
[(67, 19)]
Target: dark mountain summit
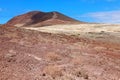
[(37, 18)]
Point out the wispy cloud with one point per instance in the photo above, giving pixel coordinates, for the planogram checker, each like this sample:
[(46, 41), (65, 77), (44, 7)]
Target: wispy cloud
[(104, 17)]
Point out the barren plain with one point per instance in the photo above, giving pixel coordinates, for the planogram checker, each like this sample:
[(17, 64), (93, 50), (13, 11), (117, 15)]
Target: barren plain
[(60, 52)]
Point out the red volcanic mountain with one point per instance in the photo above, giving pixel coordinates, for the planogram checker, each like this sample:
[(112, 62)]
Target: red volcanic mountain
[(37, 18)]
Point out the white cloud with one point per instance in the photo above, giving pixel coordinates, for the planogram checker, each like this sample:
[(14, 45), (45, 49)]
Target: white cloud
[(104, 17)]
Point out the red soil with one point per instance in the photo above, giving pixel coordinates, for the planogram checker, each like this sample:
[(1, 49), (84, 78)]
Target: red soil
[(33, 55)]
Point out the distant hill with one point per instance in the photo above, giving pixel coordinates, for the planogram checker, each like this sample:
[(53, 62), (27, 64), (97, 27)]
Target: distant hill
[(37, 18)]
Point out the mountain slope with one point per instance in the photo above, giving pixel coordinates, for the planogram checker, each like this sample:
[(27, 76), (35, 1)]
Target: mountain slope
[(37, 18)]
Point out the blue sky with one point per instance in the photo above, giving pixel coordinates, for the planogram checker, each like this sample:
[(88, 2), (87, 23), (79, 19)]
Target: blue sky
[(103, 11)]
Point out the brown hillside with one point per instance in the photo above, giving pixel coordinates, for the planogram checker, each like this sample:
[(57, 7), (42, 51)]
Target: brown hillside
[(37, 18)]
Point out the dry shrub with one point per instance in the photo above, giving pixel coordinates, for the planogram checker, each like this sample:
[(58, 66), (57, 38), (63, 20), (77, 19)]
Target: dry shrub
[(52, 56), (53, 71), (80, 73)]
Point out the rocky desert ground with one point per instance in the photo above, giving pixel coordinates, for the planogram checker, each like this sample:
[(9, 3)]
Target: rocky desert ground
[(60, 52)]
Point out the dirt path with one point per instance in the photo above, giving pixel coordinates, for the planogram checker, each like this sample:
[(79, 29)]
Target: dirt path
[(54, 15)]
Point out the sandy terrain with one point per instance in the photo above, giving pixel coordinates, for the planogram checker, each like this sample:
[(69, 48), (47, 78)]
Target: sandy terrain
[(102, 32), (60, 52)]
